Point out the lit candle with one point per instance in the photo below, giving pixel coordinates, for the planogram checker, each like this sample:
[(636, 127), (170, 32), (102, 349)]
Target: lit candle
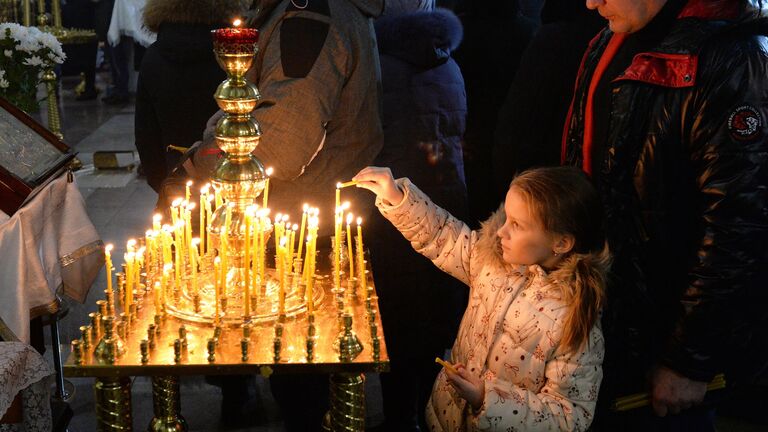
[(203, 198), (108, 264), (281, 270), (338, 196), (156, 219), (208, 213), (349, 247), (291, 243), (310, 279), (301, 231), (188, 224), (129, 280), (187, 194), (337, 249), (175, 211), (266, 188), (177, 251), (166, 239), (166, 284), (360, 251)]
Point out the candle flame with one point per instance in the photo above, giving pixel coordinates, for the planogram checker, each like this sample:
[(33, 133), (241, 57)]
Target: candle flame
[(359, 221), (305, 207), (295, 227), (217, 261), (346, 205), (190, 183), (176, 202), (191, 206), (157, 217), (149, 233), (338, 185), (237, 22), (131, 243), (167, 267), (108, 248), (269, 171), (195, 241), (349, 218)]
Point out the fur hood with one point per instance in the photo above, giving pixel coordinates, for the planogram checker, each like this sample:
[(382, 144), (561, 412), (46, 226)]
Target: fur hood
[(424, 38), (207, 12), (489, 250)]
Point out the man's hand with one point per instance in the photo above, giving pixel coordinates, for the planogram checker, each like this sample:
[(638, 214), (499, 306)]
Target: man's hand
[(672, 392), (380, 181), (469, 387)]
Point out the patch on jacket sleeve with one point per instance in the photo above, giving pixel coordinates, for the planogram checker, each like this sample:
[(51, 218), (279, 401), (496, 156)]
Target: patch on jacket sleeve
[(745, 123), (301, 40)]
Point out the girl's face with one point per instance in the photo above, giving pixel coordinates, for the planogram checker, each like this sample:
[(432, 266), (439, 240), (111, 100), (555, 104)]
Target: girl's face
[(523, 238)]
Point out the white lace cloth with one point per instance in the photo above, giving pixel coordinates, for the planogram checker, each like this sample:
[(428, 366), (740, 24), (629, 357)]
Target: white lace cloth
[(22, 369), (47, 244)]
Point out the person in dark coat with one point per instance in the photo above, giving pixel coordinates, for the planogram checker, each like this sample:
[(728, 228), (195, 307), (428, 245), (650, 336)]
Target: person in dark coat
[(495, 35), (529, 129), (179, 74), (669, 118), (424, 121)]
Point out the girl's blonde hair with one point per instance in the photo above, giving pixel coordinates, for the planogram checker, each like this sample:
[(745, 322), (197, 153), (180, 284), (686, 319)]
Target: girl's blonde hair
[(565, 202)]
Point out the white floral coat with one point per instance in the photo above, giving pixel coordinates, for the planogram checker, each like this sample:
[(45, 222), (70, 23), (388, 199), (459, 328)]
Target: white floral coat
[(510, 334)]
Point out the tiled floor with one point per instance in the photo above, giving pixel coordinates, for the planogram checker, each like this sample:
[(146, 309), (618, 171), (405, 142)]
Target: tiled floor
[(120, 206)]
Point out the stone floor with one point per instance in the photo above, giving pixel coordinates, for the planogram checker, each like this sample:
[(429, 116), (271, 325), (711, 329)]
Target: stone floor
[(120, 205)]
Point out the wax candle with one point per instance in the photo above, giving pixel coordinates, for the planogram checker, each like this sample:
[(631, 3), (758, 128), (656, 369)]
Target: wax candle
[(310, 280), (201, 211), (291, 241), (187, 194), (281, 270), (156, 219), (350, 257), (208, 212), (337, 249), (338, 196), (217, 287), (301, 230), (265, 199), (247, 246), (108, 264), (193, 263), (360, 252)]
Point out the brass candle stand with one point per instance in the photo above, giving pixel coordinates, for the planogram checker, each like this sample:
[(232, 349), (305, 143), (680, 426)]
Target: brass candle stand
[(179, 309)]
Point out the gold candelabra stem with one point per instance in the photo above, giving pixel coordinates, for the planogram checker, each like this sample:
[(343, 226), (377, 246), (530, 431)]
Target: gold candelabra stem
[(54, 121), (347, 411), (113, 404)]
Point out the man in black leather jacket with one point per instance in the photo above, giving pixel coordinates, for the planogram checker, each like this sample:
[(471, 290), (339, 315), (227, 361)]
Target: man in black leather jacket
[(669, 117)]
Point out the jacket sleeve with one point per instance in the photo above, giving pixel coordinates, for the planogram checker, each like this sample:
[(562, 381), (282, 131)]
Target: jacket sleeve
[(566, 402), (432, 231), (729, 147), (299, 99)]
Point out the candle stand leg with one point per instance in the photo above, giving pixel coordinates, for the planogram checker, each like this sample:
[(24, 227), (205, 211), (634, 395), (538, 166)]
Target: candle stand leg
[(166, 399), (113, 404), (347, 412)]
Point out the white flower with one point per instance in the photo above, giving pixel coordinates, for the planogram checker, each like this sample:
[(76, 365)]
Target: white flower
[(4, 84), (8, 53), (33, 61), (18, 32)]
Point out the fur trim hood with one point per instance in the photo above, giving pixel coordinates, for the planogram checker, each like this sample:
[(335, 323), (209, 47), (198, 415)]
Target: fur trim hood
[(489, 250), (206, 12), (422, 38)]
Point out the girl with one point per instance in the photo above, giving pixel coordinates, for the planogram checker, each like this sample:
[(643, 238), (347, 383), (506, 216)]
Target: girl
[(529, 350)]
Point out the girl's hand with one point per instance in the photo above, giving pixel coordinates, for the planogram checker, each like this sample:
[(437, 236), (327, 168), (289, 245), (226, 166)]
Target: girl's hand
[(380, 181), (469, 387)]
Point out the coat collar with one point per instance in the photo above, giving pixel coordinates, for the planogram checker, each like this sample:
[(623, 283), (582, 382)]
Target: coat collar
[(675, 61)]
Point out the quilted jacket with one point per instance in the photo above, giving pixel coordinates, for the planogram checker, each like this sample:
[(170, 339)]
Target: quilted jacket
[(511, 331)]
